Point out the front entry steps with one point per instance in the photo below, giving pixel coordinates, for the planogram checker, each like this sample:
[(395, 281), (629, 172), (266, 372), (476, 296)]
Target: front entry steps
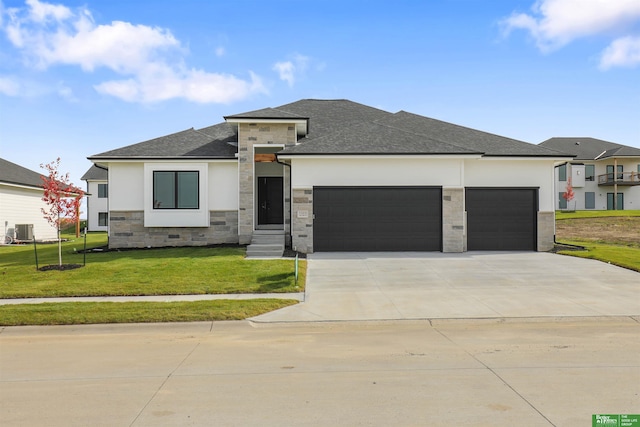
[(266, 244)]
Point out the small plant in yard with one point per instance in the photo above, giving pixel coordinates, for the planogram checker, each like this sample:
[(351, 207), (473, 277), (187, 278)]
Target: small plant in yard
[(62, 199)]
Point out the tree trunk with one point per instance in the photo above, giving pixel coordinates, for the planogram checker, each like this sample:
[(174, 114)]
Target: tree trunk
[(59, 244)]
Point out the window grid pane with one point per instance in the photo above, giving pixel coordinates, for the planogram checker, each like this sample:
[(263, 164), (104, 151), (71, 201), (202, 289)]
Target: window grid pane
[(187, 190), (176, 190)]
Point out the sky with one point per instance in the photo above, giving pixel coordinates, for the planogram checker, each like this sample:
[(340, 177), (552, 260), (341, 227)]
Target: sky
[(79, 78)]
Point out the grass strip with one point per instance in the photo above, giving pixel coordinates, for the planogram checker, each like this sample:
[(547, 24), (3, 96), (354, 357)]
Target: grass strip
[(620, 255), (595, 214), (78, 313)]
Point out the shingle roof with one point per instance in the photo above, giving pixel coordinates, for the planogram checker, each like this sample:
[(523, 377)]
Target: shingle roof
[(471, 139), (334, 127), (12, 173), (407, 133), (95, 173), (375, 138), (209, 143), (326, 116), (586, 148)]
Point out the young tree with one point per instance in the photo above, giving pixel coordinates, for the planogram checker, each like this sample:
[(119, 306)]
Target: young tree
[(568, 195), (62, 198)]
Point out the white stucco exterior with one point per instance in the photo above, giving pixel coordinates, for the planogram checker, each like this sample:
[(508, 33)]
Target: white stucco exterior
[(513, 172), (131, 189), (22, 205), (447, 172)]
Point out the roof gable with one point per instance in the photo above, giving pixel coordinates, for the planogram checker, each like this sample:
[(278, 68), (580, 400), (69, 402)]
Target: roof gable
[(95, 173)]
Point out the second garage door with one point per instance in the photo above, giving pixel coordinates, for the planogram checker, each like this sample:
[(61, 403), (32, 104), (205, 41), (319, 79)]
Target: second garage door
[(377, 219), (501, 218)]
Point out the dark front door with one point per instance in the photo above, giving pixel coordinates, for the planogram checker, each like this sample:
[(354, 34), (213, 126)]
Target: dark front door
[(270, 201)]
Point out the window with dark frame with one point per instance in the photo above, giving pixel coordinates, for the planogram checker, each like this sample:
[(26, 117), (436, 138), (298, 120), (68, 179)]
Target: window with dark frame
[(562, 172), (562, 202), (103, 191), (103, 219), (176, 190), (590, 172)]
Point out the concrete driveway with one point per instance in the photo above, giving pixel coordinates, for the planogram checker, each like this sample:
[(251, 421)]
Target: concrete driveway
[(394, 286)]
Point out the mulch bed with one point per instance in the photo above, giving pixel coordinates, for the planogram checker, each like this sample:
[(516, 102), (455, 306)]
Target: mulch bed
[(62, 267)]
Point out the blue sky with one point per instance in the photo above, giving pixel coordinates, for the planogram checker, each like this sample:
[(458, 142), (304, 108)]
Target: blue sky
[(79, 78)]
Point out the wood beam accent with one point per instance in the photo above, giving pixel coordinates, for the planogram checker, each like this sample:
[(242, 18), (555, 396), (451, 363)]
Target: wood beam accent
[(258, 157)]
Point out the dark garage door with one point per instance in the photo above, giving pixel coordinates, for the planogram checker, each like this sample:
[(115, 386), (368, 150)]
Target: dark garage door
[(377, 219), (501, 219)]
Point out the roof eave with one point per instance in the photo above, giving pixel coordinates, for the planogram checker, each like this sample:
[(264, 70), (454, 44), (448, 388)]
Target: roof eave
[(139, 158)]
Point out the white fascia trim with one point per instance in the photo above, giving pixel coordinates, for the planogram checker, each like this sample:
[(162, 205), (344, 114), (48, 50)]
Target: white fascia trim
[(524, 158), (378, 156), (257, 120), (268, 145), (167, 160), (25, 187)]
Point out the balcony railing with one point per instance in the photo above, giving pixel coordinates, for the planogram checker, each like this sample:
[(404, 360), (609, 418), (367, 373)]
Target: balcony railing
[(619, 178)]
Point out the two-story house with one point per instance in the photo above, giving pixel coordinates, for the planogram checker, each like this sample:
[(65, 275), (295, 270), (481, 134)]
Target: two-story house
[(333, 175), (97, 198), (603, 175)]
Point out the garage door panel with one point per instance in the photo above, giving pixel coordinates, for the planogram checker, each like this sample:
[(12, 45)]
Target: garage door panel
[(501, 219), (377, 218)]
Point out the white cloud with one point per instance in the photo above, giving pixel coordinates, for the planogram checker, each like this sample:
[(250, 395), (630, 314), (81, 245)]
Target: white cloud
[(193, 85), (289, 71), (623, 52), (150, 58), (9, 86), (555, 23)]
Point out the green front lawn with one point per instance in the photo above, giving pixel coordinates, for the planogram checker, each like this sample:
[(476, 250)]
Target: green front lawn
[(595, 214), (77, 313), (166, 271), (623, 256)]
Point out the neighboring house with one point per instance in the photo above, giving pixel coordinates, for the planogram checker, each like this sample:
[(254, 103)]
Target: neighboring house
[(21, 204), (333, 175), (97, 198), (600, 170)]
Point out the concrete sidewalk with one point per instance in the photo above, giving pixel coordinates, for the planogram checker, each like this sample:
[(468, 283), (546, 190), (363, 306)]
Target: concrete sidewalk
[(154, 298), (395, 286)]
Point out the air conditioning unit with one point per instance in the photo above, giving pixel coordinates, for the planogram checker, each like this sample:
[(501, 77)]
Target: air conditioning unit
[(24, 231)]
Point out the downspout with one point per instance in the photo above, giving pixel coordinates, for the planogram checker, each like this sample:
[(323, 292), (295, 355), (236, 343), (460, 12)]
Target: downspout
[(615, 184), (290, 199)]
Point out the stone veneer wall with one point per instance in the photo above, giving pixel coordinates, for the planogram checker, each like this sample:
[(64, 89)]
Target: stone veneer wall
[(250, 134), (546, 230), (302, 235), (453, 235), (127, 230)]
